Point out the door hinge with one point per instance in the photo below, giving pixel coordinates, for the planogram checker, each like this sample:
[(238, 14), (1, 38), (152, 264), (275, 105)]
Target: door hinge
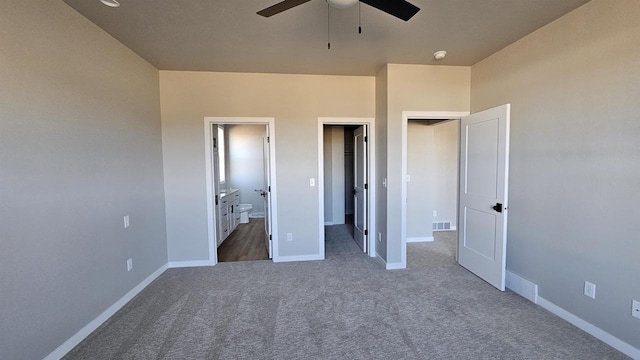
[(366, 138), (215, 143), (366, 186), (366, 232), (216, 199), (269, 188), (268, 139), (270, 237)]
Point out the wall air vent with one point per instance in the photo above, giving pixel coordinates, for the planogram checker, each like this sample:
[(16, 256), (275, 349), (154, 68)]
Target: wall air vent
[(442, 226)]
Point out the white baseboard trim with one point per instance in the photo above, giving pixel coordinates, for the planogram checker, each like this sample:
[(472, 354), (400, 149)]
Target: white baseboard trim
[(391, 266), (77, 338), (395, 266), (185, 264), (419, 239), (328, 223), (522, 287), (593, 330), (291, 258)]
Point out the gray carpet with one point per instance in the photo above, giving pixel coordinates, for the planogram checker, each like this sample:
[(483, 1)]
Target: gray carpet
[(346, 307)]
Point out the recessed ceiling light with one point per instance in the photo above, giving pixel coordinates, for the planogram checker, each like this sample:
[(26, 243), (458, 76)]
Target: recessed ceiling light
[(439, 55), (111, 3)]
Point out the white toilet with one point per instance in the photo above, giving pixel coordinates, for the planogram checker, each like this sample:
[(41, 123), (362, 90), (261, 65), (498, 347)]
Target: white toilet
[(244, 212)]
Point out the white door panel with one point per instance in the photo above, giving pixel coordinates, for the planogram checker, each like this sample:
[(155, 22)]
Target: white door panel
[(484, 160), (266, 193), (360, 187)]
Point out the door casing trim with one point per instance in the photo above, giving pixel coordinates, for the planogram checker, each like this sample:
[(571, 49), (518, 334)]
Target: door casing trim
[(371, 215), (211, 225)]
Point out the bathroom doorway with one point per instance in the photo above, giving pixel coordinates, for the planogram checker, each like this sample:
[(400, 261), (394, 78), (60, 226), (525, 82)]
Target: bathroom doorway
[(345, 168), (242, 189)]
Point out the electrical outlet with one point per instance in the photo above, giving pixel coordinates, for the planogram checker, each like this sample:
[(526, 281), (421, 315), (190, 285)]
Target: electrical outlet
[(408, 178), (129, 264), (384, 182), (635, 309), (289, 237), (590, 289), (312, 182), (126, 221), (435, 213)]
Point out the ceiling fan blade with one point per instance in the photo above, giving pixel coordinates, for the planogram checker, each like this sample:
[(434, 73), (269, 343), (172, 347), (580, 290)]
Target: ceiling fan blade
[(280, 7), (399, 8)]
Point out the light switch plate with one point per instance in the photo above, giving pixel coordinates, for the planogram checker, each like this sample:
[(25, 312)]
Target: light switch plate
[(312, 182)]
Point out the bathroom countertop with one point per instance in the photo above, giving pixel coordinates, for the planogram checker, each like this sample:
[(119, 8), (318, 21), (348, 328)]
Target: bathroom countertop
[(227, 192)]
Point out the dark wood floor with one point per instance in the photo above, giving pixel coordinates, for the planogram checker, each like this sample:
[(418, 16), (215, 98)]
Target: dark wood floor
[(246, 243)]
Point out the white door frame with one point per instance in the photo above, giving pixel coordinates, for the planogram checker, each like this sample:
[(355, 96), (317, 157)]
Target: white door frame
[(211, 215), (371, 215), (406, 116)]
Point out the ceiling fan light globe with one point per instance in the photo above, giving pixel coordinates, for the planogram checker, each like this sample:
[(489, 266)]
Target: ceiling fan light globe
[(342, 4), (110, 3)]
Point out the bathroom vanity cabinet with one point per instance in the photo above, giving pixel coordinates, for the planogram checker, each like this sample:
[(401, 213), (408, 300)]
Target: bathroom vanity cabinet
[(229, 214)]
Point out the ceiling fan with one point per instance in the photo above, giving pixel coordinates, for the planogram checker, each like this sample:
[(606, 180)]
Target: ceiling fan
[(399, 8)]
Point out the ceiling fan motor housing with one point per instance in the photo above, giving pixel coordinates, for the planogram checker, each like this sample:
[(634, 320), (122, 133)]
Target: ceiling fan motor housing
[(342, 4)]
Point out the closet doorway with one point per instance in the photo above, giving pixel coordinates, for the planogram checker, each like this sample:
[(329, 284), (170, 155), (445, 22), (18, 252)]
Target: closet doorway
[(346, 206)]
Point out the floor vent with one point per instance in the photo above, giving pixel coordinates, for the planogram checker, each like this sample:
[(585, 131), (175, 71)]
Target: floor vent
[(442, 226)]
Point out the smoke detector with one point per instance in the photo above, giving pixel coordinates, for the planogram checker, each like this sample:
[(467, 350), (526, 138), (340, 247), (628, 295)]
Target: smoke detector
[(439, 55)]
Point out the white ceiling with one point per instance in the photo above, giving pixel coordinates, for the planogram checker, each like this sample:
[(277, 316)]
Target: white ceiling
[(228, 35)]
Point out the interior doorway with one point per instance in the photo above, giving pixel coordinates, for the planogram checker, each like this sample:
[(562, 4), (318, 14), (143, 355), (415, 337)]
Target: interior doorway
[(482, 189), (241, 188), (343, 182), (432, 188), (345, 149)]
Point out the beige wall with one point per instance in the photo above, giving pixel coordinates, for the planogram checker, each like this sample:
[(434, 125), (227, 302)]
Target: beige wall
[(414, 88), (245, 144), (382, 107), (334, 175), (79, 149), (295, 101), (432, 163), (420, 166), (575, 154), (445, 182)]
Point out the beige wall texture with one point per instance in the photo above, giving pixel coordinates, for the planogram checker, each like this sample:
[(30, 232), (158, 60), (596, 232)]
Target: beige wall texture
[(79, 149), (295, 101), (432, 164), (445, 162), (575, 154), (420, 189), (413, 88), (246, 163), (334, 175)]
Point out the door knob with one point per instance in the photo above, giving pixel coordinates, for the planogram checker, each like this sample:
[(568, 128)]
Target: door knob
[(497, 207)]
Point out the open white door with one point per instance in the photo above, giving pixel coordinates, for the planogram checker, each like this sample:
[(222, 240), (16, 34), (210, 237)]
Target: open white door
[(266, 194), (216, 182), (484, 171), (360, 187)]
